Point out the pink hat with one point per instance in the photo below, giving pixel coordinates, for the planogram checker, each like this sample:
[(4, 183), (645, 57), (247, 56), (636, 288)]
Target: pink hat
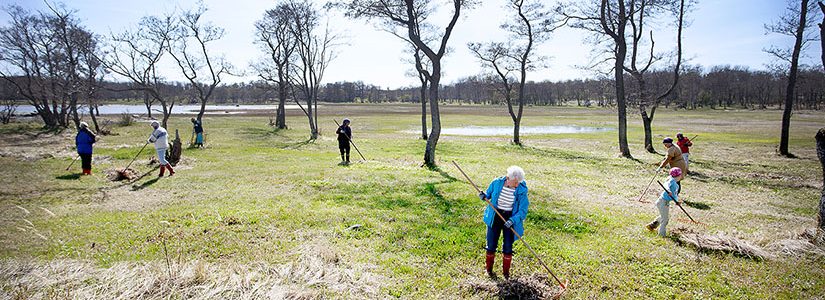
[(675, 172)]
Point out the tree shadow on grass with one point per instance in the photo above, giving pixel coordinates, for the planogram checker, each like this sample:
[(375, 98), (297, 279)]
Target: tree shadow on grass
[(445, 205), (74, 176), (443, 173), (262, 132), (296, 145)]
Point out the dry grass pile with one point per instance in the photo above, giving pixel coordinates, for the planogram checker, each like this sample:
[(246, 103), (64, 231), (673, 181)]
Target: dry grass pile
[(720, 243), (121, 174), (315, 272), (810, 241), (533, 287), (319, 266)]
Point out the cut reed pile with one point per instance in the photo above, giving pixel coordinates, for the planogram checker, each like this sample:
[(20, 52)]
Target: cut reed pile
[(720, 243), (316, 273)]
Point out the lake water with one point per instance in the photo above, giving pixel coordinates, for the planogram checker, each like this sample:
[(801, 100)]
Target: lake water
[(508, 130), (186, 109)]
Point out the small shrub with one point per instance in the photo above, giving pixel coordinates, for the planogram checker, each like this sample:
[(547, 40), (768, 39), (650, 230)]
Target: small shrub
[(125, 120)]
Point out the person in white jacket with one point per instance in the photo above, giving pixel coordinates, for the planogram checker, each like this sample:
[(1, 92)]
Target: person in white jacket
[(160, 138)]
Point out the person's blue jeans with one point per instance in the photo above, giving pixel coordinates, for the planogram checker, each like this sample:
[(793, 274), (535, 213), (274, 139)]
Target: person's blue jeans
[(494, 232)]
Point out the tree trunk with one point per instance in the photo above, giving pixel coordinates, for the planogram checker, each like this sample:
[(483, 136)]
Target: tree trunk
[(621, 101), (313, 132), (820, 151), (148, 103), (176, 150), (423, 92), (435, 133), (94, 118), (73, 107), (203, 109), (646, 121), (280, 114), (789, 91)]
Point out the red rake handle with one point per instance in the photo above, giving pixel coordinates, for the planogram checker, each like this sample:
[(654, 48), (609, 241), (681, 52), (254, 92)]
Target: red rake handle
[(562, 285)]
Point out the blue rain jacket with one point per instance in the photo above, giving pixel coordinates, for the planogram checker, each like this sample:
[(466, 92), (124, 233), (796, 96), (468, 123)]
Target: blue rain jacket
[(520, 204), (671, 185), (83, 141)]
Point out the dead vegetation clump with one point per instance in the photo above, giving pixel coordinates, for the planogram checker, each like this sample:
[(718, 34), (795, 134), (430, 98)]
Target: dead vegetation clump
[(810, 241), (533, 287), (316, 272), (319, 265), (719, 243), (122, 174)]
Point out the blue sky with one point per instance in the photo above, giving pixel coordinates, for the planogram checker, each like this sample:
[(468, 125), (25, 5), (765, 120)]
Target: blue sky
[(722, 32)]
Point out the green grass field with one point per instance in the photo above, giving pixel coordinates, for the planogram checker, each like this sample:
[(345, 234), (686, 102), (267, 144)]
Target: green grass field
[(266, 213)]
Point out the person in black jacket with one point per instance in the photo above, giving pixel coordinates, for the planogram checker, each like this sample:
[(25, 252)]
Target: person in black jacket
[(198, 128), (344, 135), (84, 141)]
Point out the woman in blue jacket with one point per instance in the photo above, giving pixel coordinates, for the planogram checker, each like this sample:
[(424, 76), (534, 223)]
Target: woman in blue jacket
[(83, 142), (509, 195)]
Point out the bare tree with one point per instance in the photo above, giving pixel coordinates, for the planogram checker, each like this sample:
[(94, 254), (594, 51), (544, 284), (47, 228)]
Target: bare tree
[(644, 12), (135, 54), (608, 20), (314, 53), (91, 74), (532, 26), (43, 52), (422, 68), (412, 16), (7, 109), (792, 23), (279, 43), (192, 32)]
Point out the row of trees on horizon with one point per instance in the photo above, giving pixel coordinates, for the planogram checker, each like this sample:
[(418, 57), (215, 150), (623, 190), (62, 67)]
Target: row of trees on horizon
[(717, 87), (57, 65)]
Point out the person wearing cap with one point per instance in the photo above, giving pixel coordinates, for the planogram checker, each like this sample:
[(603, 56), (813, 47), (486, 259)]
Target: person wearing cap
[(684, 144), (509, 195), (198, 129), (674, 157), (160, 138), (344, 135), (84, 141), (663, 204)]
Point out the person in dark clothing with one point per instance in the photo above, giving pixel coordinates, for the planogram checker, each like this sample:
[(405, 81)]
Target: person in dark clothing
[(344, 135), (198, 128), (83, 142)]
